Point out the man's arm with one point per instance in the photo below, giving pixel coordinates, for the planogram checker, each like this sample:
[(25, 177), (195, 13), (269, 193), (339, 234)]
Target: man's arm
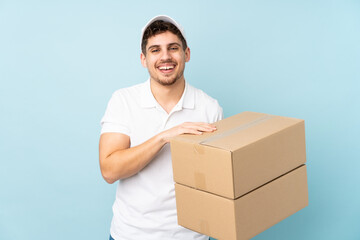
[(118, 160)]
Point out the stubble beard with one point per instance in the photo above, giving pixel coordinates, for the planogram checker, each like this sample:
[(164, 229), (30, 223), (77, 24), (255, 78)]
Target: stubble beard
[(168, 81)]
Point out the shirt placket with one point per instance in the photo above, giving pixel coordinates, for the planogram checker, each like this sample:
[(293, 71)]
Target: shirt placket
[(168, 116)]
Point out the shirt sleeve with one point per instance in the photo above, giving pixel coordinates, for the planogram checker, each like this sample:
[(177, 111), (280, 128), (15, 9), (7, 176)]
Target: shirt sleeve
[(116, 117)]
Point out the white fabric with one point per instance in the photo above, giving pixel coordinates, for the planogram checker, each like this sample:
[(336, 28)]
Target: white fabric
[(145, 206)]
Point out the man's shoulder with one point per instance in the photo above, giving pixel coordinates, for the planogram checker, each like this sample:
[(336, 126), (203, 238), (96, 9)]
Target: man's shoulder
[(205, 104)]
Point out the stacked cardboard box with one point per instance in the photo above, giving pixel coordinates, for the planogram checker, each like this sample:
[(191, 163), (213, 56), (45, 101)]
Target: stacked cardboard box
[(241, 179)]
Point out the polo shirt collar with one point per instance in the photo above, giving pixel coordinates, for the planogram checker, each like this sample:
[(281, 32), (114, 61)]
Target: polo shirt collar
[(148, 100)]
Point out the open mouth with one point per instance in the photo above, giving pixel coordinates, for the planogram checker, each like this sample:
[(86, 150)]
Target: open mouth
[(166, 68)]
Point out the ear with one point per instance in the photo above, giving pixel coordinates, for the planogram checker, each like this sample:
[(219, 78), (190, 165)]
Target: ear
[(187, 54), (143, 60)]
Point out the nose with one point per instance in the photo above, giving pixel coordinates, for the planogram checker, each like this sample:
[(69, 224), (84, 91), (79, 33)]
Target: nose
[(165, 55)]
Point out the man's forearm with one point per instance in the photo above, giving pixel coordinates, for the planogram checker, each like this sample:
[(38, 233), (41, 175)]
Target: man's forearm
[(118, 160), (124, 163)]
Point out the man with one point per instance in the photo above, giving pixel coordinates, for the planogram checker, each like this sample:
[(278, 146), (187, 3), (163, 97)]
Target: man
[(136, 129)]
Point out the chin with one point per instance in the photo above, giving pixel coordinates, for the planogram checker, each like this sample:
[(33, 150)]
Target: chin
[(167, 82)]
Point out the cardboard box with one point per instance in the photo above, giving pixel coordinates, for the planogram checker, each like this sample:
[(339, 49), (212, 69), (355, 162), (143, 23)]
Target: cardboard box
[(246, 216), (246, 151)]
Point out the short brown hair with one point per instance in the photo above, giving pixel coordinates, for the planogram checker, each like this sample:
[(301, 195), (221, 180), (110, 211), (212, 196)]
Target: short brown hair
[(158, 27)]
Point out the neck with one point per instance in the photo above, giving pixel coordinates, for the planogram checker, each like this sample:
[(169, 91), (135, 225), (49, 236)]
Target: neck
[(167, 96)]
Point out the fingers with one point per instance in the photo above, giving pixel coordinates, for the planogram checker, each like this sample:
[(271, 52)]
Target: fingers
[(197, 127)]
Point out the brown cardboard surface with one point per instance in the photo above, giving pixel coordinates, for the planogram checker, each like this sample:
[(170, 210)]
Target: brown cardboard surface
[(247, 150), (247, 216)]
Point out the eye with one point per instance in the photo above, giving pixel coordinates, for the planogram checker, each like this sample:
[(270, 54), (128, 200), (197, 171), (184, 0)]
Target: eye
[(174, 48), (155, 50)]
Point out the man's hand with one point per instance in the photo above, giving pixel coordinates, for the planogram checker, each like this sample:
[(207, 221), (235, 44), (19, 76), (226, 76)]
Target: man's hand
[(196, 128)]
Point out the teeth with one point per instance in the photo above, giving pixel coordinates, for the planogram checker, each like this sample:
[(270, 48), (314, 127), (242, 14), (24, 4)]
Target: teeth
[(166, 67)]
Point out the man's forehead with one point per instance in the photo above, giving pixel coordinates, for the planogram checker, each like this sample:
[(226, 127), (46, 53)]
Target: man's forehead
[(165, 38)]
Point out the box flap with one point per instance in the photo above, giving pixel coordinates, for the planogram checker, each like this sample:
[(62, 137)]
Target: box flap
[(223, 128), (240, 134)]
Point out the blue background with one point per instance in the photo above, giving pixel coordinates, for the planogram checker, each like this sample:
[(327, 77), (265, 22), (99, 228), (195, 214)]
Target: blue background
[(60, 61)]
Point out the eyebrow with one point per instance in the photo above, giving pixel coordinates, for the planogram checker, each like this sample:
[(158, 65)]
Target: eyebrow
[(170, 44)]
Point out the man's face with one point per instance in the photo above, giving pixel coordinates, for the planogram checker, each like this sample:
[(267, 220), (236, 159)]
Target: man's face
[(165, 58)]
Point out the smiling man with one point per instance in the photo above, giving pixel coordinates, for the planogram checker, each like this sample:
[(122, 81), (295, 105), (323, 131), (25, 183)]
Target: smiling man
[(166, 66), (136, 129)]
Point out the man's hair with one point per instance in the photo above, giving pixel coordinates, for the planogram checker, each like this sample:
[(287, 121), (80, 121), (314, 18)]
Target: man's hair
[(158, 27)]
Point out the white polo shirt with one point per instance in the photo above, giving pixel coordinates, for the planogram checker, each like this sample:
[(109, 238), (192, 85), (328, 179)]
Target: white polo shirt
[(145, 206)]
